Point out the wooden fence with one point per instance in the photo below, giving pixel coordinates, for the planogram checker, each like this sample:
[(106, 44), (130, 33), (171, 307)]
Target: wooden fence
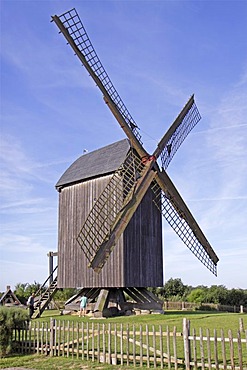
[(136, 345), (179, 305)]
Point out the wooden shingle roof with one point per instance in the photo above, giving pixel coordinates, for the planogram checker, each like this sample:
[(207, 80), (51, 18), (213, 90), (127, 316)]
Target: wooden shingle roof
[(100, 162)]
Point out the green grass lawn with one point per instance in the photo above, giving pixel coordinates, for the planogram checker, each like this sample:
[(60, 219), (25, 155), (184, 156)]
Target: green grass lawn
[(39, 362), (205, 320), (198, 319)]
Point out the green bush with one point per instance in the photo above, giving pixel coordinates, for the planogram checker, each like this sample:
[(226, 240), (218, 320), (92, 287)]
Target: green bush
[(10, 318)]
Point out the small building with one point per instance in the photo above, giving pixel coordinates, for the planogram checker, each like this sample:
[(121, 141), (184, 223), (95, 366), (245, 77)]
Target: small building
[(9, 298)]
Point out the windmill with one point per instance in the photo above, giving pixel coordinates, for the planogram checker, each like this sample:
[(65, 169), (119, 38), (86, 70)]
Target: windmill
[(111, 201)]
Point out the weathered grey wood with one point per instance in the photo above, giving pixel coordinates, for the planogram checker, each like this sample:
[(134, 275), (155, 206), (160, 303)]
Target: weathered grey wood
[(121, 344), (109, 344), (42, 338), (175, 348), (240, 353), (134, 345), (147, 344), (223, 349), (186, 343), (46, 339), (115, 343), (38, 338), (72, 339), (241, 325), (64, 336), (93, 344), (209, 349), (98, 342), (52, 337), (231, 344), (104, 343), (141, 348), (127, 344), (29, 340), (58, 336), (135, 261), (154, 346), (168, 347), (87, 340), (202, 350), (82, 341), (216, 350), (68, 339), (78, 340), (194, 349)]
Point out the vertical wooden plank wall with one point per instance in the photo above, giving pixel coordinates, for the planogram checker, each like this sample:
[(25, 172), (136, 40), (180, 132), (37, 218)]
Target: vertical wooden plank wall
[(136, 260)]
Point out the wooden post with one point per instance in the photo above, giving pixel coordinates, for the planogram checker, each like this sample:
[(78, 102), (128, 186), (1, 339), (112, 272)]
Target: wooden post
[(175, 347), (223, 349), (166, 305), (241, 308), (50, 255), (168, 347), (209, 349), (141, 348), (241, 325), (202, 349), (240, 353), (231, 344), (186, 333), (93, 348), (194, 349), (52, 336)]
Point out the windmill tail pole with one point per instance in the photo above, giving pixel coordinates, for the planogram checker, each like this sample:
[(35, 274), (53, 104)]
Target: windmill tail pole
[(105, 249)]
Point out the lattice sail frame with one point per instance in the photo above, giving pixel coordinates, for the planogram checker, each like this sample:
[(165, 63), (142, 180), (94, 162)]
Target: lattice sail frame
[(191, 118), (165, 202), (106, 210), (71, 21)]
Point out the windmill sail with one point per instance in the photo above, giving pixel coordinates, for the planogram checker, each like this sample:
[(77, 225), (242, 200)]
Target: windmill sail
[(108, 208), (181, 220), (73, 30), (181, 127), (117, 203)]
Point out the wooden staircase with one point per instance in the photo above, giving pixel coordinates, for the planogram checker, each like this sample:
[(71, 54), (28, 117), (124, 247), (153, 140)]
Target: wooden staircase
[(44, 298)]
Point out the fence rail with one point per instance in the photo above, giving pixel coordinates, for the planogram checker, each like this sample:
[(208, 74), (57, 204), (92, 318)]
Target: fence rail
[(136, 345), (179, 305)]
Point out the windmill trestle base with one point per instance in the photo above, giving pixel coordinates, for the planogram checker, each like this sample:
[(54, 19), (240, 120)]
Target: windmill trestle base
[(109, 302)]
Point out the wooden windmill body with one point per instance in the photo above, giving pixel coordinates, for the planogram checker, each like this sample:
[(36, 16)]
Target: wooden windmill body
[(111, 200), (136, 261)]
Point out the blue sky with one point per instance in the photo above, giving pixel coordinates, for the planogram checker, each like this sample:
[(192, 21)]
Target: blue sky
[(157, 54)]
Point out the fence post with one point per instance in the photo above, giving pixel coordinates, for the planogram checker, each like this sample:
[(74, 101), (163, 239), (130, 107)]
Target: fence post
[(241, 325), (186, 333), (52, 336)]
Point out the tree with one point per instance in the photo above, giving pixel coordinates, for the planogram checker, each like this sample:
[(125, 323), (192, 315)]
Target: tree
[(24, 290), (197, 295), (65, 294), (237, 297), (216, 294), (174, 287)]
